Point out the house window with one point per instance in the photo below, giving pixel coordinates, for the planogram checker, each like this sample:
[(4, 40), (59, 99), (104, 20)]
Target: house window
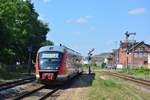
[(142, 48), (140, 55), (136, 55), (145, 62), (148, 54), (145, 54)]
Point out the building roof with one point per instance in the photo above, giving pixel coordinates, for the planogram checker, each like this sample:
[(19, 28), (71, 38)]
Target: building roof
[(132, 45), (135, 46)]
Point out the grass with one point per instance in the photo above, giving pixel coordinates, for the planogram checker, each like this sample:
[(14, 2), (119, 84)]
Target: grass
[(111, 90), (93, 67), (141, 72)]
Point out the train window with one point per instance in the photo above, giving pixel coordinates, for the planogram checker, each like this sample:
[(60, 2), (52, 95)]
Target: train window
[(49, 60)]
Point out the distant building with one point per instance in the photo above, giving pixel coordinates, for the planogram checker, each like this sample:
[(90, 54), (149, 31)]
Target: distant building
[(99, 59), (85, 62), (109, 62)]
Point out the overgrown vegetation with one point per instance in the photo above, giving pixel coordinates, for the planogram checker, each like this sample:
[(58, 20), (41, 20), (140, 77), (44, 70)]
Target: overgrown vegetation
[(111, 90), (94, 66), (138, 72), (103, 65), (12, 72), (20, 28)]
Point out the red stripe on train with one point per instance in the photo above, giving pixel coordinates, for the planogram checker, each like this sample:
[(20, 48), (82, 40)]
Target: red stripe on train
[(37, 67), (63, 63)]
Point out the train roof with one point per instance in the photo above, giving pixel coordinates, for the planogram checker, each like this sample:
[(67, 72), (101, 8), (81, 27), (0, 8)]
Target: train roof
[(59, 49)]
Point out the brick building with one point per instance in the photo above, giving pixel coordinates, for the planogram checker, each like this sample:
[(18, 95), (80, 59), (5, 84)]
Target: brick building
[(136, 55)]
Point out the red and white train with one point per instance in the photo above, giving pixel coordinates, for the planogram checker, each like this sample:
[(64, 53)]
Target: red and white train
[(57, 63)]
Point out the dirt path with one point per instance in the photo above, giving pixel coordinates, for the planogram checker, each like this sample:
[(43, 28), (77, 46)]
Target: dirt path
[(79, 89)]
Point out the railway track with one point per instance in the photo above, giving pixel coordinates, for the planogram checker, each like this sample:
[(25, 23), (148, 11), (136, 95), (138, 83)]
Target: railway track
[(130, 78), (28, 93), (12, 84), (40, 93), (49, 93)]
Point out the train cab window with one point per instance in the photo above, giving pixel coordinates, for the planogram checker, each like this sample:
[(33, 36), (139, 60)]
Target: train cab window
[(49, 60)]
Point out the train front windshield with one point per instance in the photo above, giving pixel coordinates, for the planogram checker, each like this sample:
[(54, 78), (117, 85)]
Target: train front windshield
[(49, 60)]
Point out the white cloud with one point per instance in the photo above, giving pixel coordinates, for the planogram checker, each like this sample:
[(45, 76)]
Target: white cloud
[(137, 11), (42, 17), (92, 29), (80, 20), (69, 20), (89, 17), (46, 1)]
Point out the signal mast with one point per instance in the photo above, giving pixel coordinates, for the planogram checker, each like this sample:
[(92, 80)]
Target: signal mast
[(89, 58), (127, 36), (127, 43)]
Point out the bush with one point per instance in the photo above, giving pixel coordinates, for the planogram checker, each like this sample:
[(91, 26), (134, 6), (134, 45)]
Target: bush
[(103, 65), (136, 71), (11, 72)]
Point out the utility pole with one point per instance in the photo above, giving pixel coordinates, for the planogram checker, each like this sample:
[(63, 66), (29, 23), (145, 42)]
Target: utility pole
[(30, 59), (89, 58), (127, 45), (31, 42)]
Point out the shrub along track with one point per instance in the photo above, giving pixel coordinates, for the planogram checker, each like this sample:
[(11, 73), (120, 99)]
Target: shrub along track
[(130, 78)]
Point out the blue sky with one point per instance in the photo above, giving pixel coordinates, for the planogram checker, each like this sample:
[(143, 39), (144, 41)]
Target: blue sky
[(99, 24)]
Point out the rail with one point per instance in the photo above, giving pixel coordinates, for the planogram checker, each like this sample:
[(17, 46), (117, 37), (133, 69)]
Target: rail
[(130, 78), (12, 84)]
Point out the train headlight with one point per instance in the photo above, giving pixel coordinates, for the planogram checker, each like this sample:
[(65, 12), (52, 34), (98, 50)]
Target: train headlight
[(37, 76)]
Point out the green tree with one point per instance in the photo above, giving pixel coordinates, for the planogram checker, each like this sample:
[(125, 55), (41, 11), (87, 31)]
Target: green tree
[(19, 29)]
